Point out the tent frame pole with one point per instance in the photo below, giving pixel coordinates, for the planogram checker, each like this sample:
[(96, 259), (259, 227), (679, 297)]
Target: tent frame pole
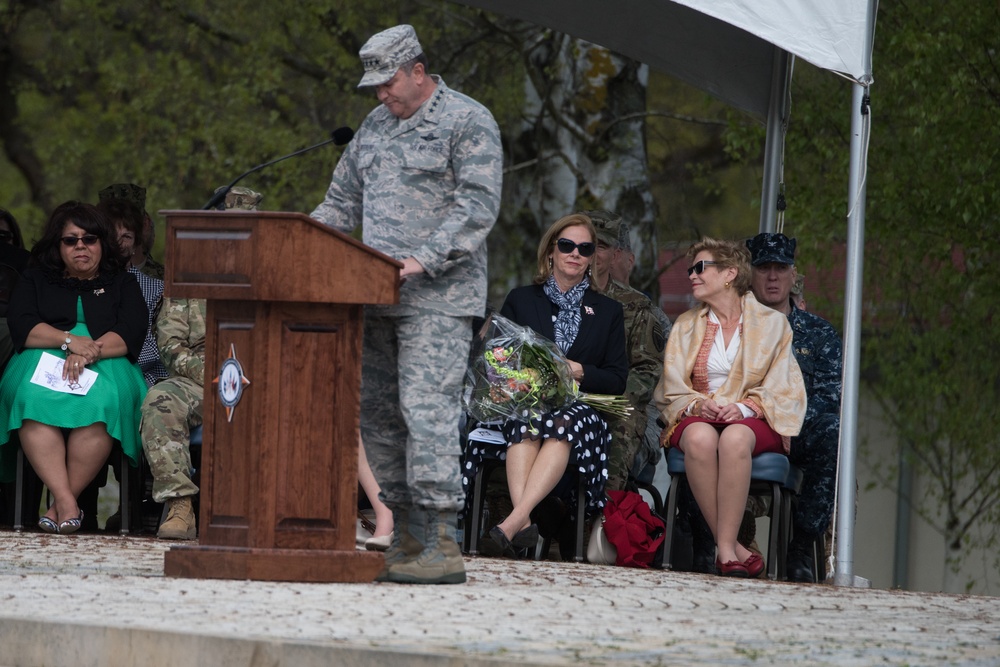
[(846, 485), (777, 116)]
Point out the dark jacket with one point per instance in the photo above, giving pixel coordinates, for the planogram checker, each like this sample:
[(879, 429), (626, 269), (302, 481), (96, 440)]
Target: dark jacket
[(110, 303), (600, 344)]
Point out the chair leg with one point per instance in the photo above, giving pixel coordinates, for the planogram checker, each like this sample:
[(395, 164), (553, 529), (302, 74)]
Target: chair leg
[(819, 558), (581, 513), (473, 524), (124, 494), (19, 493), (670, 520), (786, 533), (472, 527), (775, 546)]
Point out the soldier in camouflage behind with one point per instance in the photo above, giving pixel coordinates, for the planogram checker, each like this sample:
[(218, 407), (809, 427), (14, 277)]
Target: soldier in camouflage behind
[(423, 177), (817, 349), (174, 406), (644, 344)]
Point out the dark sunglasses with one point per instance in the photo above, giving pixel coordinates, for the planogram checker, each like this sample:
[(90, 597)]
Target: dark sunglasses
[(6, 236), (586, 249), (71, 241), (699, 267)]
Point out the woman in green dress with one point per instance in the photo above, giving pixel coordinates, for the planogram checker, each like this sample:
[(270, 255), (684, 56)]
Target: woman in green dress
[(75, 307)]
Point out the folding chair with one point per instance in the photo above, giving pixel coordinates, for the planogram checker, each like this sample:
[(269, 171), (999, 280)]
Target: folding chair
[(474, 517), (771, 475)]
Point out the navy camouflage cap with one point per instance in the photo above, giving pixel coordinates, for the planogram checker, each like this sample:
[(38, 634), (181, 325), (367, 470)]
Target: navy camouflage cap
[(771, 247), (130, 192), (385, 52), (608, 226)]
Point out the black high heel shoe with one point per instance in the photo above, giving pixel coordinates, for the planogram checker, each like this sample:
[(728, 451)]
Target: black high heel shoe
[(527, 538), (496, 545)]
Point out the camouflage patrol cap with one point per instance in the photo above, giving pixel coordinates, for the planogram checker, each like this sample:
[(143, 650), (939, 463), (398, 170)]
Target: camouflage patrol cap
[(608, 226), (799, 286), (130, 192), (624, 240), (384, 52), (241, 198)]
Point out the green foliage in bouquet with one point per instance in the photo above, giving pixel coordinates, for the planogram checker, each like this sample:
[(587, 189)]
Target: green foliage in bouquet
[(519, 374)]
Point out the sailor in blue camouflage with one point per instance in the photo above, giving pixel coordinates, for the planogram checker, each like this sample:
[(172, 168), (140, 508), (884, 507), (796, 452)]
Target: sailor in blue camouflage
[(817, 348), (423, 177), (644, 343)]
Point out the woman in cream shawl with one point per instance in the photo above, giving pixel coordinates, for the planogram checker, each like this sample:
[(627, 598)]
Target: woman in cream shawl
[(730, 390)]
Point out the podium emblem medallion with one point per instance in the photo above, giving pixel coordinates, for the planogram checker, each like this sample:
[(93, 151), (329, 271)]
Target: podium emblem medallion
[(231, 381)]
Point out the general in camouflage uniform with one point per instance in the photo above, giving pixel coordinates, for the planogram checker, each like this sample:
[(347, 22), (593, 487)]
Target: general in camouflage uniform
[(817, 349), (644, 345), (423, 177), (174, 406)]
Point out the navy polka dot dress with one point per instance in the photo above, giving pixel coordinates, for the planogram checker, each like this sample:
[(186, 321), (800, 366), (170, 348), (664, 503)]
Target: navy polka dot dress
[(579, 424)]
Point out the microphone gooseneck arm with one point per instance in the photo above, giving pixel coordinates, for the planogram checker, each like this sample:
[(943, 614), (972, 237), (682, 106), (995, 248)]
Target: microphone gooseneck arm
[(340, 136)]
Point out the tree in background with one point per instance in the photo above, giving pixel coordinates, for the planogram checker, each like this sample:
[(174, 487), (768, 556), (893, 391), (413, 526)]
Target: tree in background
[(183, 96), (932, 263), (580, 143)]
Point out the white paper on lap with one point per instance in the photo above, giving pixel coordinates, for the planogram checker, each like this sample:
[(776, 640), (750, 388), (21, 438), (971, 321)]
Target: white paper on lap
[(48, 373)]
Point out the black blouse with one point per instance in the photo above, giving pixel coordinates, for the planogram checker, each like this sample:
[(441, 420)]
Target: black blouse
[(110, 303)]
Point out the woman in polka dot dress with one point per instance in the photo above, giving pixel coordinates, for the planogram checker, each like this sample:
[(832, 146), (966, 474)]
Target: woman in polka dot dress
[(574, 440)]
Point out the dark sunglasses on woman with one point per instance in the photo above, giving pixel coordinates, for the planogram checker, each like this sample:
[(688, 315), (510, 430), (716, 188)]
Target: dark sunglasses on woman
[(586, 249), (699, 267), (71, 241)]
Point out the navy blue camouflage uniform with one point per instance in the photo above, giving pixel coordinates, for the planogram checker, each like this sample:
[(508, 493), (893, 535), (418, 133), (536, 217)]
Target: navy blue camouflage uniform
[(817, 349)]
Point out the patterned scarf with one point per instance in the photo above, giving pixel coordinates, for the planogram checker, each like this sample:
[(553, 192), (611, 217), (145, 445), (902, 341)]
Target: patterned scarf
[(567, 323)]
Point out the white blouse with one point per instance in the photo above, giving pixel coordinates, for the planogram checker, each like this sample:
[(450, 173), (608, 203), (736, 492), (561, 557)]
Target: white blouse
[(721, 357)]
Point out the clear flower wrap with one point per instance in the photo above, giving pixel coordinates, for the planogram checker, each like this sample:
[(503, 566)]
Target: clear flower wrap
[(515, 370)]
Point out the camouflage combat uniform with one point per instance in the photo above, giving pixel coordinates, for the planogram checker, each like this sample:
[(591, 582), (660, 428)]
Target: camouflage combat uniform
[(817, 349), (173, 407), (426, 187), (644, 344), (153, 269)]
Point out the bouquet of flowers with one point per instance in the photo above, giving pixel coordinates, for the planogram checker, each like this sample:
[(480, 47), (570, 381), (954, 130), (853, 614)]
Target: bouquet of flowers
[(518, 374)]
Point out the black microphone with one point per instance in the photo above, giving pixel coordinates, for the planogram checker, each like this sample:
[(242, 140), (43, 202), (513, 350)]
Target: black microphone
[(340, 137)]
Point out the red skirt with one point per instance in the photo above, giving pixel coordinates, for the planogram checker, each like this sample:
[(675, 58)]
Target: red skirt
[(766, 438)]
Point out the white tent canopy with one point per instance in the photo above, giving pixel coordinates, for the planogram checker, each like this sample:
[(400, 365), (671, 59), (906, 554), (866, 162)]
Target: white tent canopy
[(738, 51), (725, 47), (831, 35)]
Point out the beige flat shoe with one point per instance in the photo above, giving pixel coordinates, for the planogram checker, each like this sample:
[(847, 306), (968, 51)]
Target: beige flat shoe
[(379, 543)]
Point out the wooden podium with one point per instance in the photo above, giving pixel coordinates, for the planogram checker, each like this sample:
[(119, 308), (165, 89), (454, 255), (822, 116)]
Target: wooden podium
[(282, 392)]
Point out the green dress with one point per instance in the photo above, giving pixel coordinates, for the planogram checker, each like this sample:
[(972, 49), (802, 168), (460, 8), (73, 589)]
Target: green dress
[(115, 399)]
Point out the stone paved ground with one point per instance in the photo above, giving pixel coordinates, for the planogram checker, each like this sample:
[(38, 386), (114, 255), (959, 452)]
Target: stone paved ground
[(54, 589)]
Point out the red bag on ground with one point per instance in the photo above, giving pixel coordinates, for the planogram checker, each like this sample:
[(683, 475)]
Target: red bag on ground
[(632, 528)]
